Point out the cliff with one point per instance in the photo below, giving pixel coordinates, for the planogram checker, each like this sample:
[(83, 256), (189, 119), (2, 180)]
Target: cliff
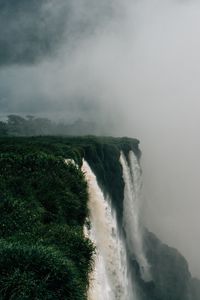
[(43, 202)]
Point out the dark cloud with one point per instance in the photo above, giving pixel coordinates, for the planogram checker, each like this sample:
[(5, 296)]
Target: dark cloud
[(32, 30), (28, 31), (40, 41)]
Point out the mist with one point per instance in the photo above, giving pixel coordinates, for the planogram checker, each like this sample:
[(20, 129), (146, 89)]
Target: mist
[(133, 63)]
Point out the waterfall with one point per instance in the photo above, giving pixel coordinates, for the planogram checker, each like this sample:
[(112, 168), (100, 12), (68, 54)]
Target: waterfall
[(111, 279), (131, 211)]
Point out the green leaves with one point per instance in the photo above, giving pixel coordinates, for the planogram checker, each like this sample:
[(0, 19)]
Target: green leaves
[(43, 204), (35, 272)]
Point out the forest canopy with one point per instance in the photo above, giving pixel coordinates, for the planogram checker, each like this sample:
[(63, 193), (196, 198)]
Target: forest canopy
[(30, 125)]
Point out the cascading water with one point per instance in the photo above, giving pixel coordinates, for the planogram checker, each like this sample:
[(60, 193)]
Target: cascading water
[(111, 279), (131, 211)]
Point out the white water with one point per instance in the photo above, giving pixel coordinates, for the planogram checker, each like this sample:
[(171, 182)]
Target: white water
[(70, 161), (131, 212), (110, 279)]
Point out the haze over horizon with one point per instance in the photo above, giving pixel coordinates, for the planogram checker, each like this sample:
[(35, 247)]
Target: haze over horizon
[(133, 63)]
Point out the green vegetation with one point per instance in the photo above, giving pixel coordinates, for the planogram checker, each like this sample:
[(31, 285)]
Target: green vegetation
[(43, 203), (102, 153)]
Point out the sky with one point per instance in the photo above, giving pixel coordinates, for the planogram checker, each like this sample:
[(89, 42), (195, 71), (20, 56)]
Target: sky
[(133, 63)]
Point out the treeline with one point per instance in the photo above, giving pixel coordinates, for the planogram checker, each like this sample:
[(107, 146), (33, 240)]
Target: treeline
[(33, 126)]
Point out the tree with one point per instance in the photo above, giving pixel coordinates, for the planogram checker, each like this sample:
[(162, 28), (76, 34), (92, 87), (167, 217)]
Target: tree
[(3, 129), (16, 125)]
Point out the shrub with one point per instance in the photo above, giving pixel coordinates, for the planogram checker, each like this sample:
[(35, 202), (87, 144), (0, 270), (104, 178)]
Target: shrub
[(37, 272)]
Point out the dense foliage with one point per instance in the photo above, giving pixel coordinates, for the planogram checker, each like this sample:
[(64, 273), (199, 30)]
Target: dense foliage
[(102, 153), (43, 203)]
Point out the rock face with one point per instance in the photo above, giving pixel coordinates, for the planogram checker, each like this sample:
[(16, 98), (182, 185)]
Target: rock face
[(195, 289), (171, 276), (171, 279)]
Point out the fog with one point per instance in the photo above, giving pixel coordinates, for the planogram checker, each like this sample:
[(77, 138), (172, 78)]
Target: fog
[(133, 63)]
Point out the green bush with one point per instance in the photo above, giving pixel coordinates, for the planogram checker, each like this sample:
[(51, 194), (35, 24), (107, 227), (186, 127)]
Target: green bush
[(43, 202), (18, 215), (37, 272)]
